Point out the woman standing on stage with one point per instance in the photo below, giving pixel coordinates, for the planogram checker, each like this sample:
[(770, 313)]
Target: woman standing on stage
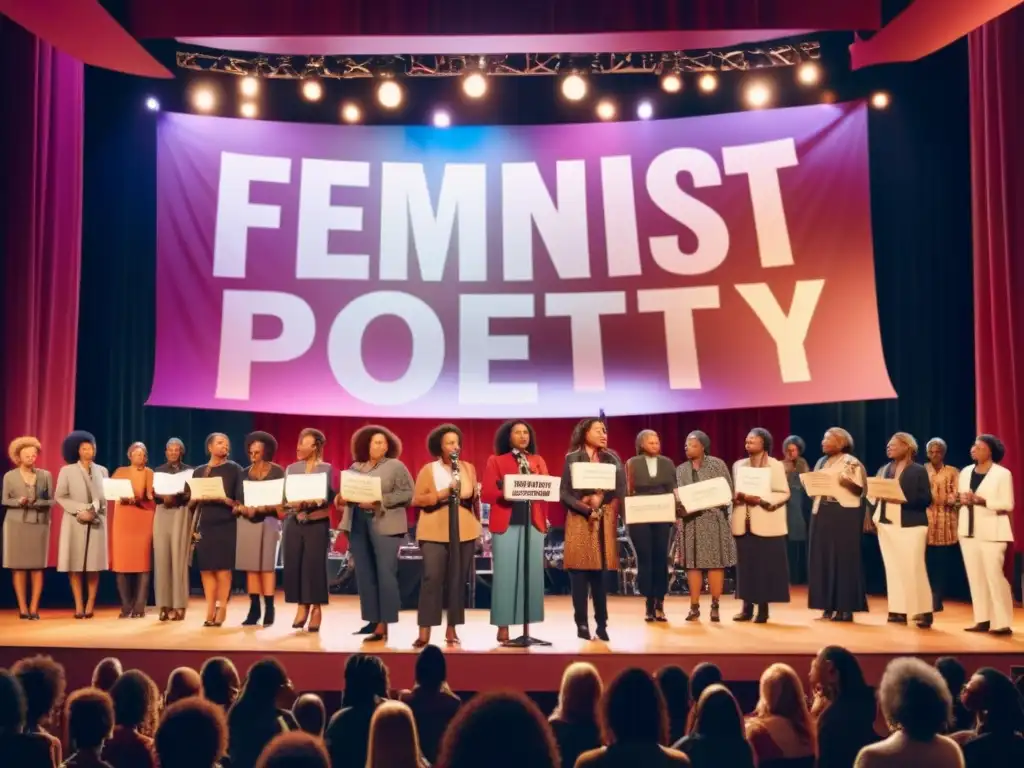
[(759, 525), (83, 532), (798, 508), (259, 531), (307, 536), (28, 496), (515, 453), (448, 528), (940, 555), (986, 491), (214, 529), (591, 528), (376, 531), (705, 541), (649, 473), (131, 534), (835, 572), (171, 535)]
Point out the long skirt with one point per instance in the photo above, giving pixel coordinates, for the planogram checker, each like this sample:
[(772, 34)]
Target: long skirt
[(215, 550), (906, 576), (26, 539), (705, 541), (762, 569), (256, 545), (508, 592), (835, 573), (170, 556), (82, 547), (131, 539), (305, 561)]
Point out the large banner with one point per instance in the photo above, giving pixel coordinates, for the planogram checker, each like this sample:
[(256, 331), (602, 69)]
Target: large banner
[(639, 267)]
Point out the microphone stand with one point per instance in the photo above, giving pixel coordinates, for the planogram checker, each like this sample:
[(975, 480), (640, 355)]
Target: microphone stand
[(525, 640)]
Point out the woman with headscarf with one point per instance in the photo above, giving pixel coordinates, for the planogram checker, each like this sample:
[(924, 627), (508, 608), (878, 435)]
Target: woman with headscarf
[(376, 530), (591, 528), (83, 532), (986, 492), (515, 453), (259, 531), (998, 736), (171, 535), (903, 534), (28, 496), (131, 534), (214, 530), (448, 527), (940, 556), (836, 575), (704, 539), (307, 536), (798, 508), (650, 474), (759, 525)]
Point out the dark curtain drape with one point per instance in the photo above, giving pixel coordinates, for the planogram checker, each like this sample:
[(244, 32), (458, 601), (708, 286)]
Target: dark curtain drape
[(41, 183), (997, 155)]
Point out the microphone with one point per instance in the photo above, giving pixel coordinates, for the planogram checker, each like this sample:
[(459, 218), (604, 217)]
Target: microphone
[(454, 456)]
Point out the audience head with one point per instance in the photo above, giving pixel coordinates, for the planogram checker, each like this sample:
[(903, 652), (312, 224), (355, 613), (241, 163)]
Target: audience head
[(675, 687), (182, 683), (12, 704), (472, 734), (716, 715), (782, 695), (42, 679), (220, 681), (310, 714), (265, 683), (294, 749), (89, 716), (192, 734), (703, 676), (580, 694), (431, 669), (952, 672), (136, 702), (836, 672), (633, 710), (106, 673), (366, 680), (994, 699), (393, 739), (914, 698)]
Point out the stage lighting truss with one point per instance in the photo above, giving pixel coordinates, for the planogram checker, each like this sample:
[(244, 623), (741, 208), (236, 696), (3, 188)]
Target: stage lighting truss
[(510, 65)]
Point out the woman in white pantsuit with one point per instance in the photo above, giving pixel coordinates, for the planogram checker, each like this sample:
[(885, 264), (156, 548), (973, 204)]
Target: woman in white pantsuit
[(986, 493), (903, 534)]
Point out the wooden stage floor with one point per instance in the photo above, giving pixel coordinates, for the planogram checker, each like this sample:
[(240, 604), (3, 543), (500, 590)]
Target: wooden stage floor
[(315, 661)]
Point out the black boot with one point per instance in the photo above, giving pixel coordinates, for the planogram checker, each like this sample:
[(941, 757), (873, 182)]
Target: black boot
[(602, 632), (746, 614), (253, 617), (268, 610), (762, 614), (649, 616), (583, 632), (715, 617)]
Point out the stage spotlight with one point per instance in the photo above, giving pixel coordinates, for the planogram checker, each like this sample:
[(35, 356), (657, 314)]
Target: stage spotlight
[(645, 110), (808, 73), (389, 94), (248, 109), (474, 85), (152, 104), (574, 87), (606, 109), (442, 119), (203, 99), (880, 100), (351, 113), (249, 86), (757, 94), (312, 90), (672, 82), (708, 82)]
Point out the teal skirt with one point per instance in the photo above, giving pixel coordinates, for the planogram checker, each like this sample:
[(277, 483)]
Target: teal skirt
[(507, 594)]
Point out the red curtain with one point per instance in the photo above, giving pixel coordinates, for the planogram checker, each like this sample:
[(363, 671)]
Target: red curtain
[(41, 158), (997, 159)]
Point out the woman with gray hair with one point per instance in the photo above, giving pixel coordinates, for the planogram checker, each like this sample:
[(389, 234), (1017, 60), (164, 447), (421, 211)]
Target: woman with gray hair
[(131, 534), (940, 556), (835, 573), (903, 533), (704, 539), (171, 527)]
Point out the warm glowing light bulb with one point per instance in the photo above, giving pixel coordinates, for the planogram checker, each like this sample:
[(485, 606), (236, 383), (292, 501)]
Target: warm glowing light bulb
[(606, 110), (248, 109), (351, 113), (672, 82), (249, 86), (312, 90), (203, 99), (474, 85), (645, 110), (808, 73), (708, 82), (758, 94), (389, 94), (574, 87), (880, 100)]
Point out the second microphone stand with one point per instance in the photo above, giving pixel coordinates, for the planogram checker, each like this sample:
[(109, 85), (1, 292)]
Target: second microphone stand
[(526, 640)]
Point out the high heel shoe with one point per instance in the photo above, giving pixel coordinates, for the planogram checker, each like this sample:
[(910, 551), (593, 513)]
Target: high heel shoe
[(299, 623), (379, 635), (319, 620), (164, 615), (659, 611), (694, 614), (23, 616)]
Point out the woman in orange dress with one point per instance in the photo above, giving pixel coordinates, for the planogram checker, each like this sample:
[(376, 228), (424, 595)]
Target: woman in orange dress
[(131, 545)]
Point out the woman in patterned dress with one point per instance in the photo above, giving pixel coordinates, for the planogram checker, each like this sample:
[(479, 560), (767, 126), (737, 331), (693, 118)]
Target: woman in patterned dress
[(704, 539), (943, 517), (131, 534), (28, 496), (259, 531)]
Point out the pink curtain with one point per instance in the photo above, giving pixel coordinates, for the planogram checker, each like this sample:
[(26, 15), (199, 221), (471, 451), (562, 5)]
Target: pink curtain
[(41, 181), (997, 157)]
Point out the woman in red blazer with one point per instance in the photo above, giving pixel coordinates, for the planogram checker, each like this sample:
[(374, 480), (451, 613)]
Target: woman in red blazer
[(515, 453)]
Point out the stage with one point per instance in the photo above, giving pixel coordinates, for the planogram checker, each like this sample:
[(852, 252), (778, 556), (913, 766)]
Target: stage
[(315, 661)]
